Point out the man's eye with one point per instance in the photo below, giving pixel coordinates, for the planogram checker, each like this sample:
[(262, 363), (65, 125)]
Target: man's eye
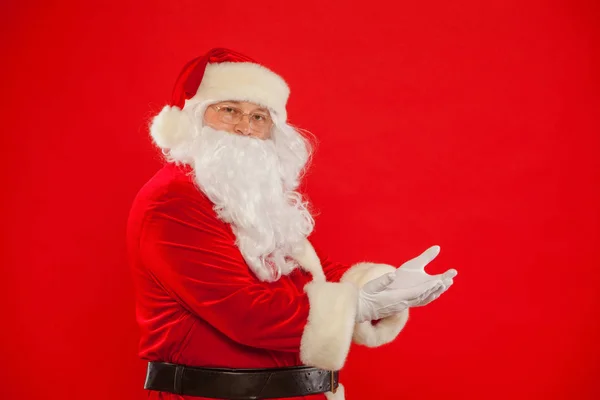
[(259, 117), (229, 110)]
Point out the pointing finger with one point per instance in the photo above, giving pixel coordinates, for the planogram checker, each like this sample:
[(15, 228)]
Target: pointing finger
[(431, 253), (419, 262), (451, 273)]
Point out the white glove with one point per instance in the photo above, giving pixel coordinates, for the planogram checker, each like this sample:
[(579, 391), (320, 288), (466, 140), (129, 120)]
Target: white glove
[(408, 286), (412, 273)]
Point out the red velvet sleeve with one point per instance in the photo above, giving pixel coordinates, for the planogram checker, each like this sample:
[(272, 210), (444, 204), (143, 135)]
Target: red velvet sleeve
[(333, 270), (193, 256)]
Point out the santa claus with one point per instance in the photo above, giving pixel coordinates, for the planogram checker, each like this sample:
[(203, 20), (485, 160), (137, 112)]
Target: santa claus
[(232, 300)]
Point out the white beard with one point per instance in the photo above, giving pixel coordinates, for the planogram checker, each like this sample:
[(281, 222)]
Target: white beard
[(252, 182)]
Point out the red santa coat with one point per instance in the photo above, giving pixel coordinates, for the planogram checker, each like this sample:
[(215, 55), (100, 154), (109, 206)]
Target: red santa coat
[(198, 303)]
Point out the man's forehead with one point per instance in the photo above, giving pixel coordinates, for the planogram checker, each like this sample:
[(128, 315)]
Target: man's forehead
[(237, 102)]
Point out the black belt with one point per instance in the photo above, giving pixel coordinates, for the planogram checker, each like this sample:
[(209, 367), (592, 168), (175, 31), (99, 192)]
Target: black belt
[(239, 384)]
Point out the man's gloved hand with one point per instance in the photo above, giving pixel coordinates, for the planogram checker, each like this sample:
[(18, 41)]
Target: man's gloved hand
[(408, 286), (412, 273)]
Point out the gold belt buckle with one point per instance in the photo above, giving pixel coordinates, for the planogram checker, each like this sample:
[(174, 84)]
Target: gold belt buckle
[(333, 388)]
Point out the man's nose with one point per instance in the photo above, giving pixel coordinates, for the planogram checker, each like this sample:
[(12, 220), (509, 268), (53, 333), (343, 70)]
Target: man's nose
[(243, 127)]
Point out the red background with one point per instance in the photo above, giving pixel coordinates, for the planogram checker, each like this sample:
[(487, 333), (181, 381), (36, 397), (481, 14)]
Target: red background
[(472, 125)]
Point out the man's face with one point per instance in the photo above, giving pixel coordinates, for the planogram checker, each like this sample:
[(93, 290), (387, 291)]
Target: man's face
[(239, 117), (252, 181)]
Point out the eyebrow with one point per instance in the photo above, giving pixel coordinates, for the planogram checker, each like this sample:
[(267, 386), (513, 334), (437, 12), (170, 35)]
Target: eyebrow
[(238, 102)]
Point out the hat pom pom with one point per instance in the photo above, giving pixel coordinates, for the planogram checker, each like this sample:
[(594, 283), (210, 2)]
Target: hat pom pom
[(171, 128)]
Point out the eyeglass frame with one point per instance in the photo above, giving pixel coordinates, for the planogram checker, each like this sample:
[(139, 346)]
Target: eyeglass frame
[(217, 107)]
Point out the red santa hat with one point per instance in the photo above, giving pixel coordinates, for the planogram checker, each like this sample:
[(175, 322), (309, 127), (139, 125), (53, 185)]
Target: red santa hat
[(219, 75)]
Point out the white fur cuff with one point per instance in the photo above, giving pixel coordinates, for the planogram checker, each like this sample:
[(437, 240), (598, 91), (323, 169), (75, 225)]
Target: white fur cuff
[(387, 329), (328, 333)]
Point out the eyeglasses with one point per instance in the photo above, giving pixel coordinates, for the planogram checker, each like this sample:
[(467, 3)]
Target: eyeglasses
[(260, 121)]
